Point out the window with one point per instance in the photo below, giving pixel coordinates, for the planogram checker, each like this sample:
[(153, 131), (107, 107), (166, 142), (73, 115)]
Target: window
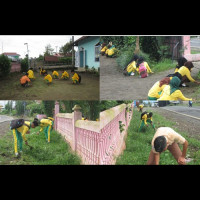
[(97, 52)]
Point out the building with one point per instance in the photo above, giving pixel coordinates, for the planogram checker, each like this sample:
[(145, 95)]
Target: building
[(88, 52), (13, 56)]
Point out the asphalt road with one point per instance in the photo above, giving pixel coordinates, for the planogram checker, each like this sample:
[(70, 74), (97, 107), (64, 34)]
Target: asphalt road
[(195, 43), (193, 112)]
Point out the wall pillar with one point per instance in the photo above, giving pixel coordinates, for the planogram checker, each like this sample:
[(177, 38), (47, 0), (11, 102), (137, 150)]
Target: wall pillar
[(186, 45), (77, 115), (56, 111)]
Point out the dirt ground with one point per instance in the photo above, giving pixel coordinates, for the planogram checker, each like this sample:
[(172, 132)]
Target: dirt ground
[(59, 89), (183, 123), (115, 86)]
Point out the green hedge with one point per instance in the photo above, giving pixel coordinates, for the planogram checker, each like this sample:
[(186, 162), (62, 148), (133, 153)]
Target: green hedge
[(5, 66)]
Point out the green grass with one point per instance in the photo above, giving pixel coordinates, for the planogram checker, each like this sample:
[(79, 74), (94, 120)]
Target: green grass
[(58, 152), (195, 52), (138, 144), (163, 65)]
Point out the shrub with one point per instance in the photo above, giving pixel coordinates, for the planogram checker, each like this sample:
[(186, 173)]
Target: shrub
[(24, 65), (5, 66)]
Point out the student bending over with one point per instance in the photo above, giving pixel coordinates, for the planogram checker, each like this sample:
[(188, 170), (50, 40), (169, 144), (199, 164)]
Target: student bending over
[(48, 78), (164, 139), (25, 80)]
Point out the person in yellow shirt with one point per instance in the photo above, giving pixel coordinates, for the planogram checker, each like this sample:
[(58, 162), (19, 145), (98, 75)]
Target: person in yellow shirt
[(42, 71), (140, 61), (172, 92), (139, 106), (146, 117), (20, 133), (31, 74), (131, 67), (25, 81), (48, 78), (181, 62), (103, 49), (111, 51), (75, 78), (46, 124), (55, 74), (65, 75), (164, 139), (156, 90)]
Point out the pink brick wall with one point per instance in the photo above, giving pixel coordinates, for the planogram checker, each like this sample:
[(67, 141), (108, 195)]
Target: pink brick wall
[(15, 67)]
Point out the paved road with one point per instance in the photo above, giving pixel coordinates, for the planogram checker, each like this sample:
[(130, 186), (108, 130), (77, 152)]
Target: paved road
[(195, 43), (193, 112), (4, 118)]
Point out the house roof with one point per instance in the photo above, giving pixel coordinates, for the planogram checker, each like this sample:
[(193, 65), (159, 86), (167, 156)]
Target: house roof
[(80, 39), (11, 54)]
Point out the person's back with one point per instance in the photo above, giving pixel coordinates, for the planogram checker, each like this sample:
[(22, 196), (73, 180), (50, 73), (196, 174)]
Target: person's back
[(184, 71), (24, 79), (143, 70)]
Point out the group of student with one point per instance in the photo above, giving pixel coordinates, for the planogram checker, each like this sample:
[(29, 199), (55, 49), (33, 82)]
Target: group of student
[(165, 138), (169, 87), (137, 65), (28, 77), (21, 127), (108, 50)]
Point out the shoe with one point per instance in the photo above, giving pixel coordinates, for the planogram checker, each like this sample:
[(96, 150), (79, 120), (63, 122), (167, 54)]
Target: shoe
[(132, 74), (183, 84)]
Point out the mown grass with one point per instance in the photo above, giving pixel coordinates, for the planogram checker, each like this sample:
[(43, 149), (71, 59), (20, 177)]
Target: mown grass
[(163, 65), (58, 152), (138, 144)]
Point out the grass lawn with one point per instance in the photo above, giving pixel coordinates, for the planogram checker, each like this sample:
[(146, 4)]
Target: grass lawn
[(138, 145), (58, 152), (162, 65), (59, 89)]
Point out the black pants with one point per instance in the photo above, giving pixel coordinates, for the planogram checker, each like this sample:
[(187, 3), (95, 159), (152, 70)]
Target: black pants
[(25, 84)]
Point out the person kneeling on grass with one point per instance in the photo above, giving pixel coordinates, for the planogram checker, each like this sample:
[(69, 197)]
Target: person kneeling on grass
[(46, 124), (131, 67), (48, 78), (156, 91), (75, 78), (20, 128), (25, 80), (42, 71), (164, 139), (172, 92), (31, 74), (146, 117), (55, 74), (65, 75)]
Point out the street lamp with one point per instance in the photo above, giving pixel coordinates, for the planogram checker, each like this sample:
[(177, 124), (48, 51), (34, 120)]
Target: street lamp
[(27, 53)]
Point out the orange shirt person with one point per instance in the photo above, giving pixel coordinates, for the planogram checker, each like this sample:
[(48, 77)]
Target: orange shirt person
[(25, 80)]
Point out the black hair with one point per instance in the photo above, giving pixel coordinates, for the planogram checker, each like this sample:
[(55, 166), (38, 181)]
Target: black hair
[(150, 114), (35, 122), (72, 70), (160, 143), (26, 73), (181, 61), (140, 60)]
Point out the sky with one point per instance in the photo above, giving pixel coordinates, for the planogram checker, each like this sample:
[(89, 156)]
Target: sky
[(36, 43)]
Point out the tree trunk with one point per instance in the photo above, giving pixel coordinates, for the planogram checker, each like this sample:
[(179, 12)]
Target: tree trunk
[(137, 48)]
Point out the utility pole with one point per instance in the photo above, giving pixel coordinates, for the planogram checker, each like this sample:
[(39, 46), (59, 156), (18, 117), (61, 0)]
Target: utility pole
[(27, 54)]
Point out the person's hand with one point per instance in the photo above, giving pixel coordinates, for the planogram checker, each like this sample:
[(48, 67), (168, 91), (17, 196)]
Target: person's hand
[(37, 133), (26, 142), (181, 160)]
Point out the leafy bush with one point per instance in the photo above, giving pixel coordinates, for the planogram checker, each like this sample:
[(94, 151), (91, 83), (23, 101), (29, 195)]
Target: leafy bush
[(5, 66), (67, 60), (24, 65)]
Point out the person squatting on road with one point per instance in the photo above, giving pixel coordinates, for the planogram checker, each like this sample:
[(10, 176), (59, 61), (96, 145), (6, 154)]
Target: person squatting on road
[(156, 91), (47, 78), (146, 117), (20, 128), (164, 139), (130, 69), (46, 124)]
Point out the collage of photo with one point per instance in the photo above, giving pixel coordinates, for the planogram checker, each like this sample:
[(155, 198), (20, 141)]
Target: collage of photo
[(99, 100)]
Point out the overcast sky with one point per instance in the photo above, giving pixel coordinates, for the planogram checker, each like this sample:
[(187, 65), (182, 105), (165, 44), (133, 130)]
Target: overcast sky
[(36, 43)]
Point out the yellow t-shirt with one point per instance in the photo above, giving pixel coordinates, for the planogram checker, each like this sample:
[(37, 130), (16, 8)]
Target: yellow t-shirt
[(65, 74), (45, 123), (55, 73), (23, 129), (184, 71), (31, 74), (147, 67), (145, 117), (131, 67), (177, 95), (75, 77), (111, 51), (48, 77), (153, 92), (104, 49), (170, 135)]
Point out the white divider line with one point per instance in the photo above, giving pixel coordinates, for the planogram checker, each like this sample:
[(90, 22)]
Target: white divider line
[(181, 113)]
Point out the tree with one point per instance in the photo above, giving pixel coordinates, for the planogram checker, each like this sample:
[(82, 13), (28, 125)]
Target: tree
[(49, 108), (24, 64), (20, 107), (67, 48), (5, 66), (48, 50), (137, 48)]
